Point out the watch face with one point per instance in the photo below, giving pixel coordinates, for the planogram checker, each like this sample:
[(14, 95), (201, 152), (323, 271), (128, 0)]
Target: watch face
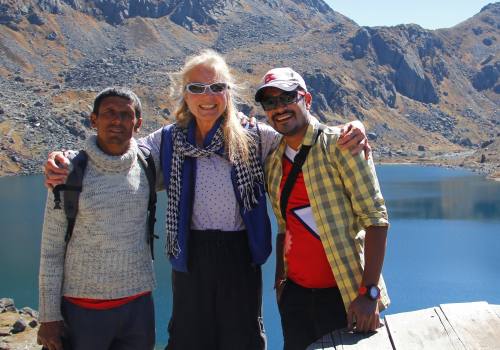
[(374, 292)]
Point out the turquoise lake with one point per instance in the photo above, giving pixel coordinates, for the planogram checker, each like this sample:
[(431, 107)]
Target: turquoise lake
[(443, 243)]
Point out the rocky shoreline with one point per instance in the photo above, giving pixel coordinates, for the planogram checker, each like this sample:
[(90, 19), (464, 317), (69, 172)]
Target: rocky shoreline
[(474, 160), (470, 160), (18, 327)]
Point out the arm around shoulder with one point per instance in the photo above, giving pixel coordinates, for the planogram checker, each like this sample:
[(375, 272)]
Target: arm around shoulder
[(152, 142)]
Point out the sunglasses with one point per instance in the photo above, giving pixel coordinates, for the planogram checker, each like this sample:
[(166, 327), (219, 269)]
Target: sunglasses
[(199, 88), (271, 102)]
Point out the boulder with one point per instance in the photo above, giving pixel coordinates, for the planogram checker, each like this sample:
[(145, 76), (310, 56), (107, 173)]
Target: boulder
[(487, 77), (51, 36), (486, 143), (29, 311), (7, 305), (15, 159), (466, 142), (477, 30), (421, 148), (74, 130), (35, 19), (18, 326), (86, 123), (487, 41)]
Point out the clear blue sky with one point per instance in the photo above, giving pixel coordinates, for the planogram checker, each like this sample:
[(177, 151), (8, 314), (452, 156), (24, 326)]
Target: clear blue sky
[(430, 14)]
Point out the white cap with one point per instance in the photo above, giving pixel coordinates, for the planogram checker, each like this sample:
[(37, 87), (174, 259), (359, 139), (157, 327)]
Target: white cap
[(282, 78)]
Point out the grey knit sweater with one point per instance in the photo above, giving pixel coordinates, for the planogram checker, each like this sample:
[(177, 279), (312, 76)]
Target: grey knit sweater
[(108, 256)]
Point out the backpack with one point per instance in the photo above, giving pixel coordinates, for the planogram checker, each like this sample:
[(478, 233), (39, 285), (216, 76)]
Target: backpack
[(73, 187)]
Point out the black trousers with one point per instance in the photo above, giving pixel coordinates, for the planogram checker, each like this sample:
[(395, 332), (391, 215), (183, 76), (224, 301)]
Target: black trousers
[(217, 304), (127, 327), (308, 314)]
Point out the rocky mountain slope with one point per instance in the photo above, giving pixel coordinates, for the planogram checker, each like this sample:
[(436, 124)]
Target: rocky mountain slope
[(431, 96)]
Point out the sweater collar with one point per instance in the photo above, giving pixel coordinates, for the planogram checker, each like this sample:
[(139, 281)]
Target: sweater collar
[(110, 163)]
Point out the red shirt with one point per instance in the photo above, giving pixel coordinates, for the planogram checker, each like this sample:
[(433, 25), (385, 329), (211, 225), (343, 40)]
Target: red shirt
[(103, 304), (305, 256)]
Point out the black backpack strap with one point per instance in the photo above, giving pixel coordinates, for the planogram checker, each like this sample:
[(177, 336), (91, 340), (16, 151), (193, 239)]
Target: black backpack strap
[(146, 159), (72, 189), (298, 161)]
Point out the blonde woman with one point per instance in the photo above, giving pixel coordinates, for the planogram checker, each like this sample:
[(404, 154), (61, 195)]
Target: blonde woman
[(218, 231), (217, 227)]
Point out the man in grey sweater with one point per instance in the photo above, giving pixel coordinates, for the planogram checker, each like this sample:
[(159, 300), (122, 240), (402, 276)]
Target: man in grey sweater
[(96, 290)]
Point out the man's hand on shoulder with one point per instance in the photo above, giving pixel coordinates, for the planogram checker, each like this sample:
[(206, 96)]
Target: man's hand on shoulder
[(363, 315), (56, 169), (353, 137), (50, 335), (245, 120)]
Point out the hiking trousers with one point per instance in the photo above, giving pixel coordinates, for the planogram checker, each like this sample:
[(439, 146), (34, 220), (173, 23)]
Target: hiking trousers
[(127, 327), (217, 304), (307, 314)]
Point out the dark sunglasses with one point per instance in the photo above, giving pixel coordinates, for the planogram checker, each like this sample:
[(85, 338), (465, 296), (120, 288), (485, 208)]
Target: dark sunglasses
[(288, 97), (200, 88)]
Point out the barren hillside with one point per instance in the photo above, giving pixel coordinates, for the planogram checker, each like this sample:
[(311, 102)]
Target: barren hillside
[(428, 96)]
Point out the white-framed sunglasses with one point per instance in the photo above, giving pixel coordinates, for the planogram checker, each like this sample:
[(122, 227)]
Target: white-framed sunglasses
[(200, 88)]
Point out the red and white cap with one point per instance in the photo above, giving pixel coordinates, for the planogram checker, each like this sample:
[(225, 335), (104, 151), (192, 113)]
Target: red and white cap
[(285, 79)]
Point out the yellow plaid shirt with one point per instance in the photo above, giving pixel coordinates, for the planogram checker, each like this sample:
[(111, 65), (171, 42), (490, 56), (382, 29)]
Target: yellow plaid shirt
[(345, 198)]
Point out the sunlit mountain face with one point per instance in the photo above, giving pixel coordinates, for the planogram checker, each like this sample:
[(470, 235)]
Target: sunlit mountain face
[(423, 95)]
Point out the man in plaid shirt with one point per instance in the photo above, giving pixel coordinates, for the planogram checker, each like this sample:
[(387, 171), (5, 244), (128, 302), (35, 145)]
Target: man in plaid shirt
[(332, 228)]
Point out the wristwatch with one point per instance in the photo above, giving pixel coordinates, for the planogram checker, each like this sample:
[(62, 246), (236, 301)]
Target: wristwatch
[(371, 292)]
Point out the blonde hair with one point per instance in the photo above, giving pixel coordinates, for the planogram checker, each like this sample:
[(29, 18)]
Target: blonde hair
[(236, 139)]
